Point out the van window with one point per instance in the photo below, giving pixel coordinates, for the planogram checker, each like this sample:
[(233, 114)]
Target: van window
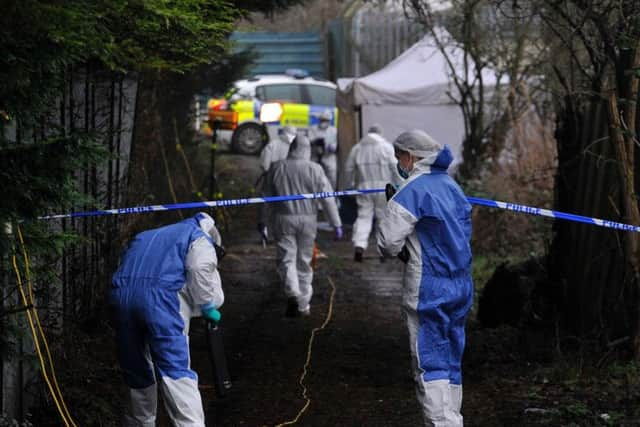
[(281, 92), (320, 95)]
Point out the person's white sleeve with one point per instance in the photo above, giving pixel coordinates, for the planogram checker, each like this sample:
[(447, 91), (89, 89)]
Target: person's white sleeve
[(394, 228), (265, 157), (331, 140), (349, 168), (204, 285), (329, 203), (392, 165)]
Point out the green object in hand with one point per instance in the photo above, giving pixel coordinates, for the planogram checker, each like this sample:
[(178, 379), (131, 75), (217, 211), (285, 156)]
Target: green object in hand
[(212, 314)]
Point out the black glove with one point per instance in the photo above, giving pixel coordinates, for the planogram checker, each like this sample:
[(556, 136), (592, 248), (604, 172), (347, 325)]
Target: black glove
[(403, 255), (318, 147), (389, 191), (220, 252)]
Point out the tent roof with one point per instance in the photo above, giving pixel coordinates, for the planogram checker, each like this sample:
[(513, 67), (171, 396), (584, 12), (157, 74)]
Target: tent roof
[(419, 76)]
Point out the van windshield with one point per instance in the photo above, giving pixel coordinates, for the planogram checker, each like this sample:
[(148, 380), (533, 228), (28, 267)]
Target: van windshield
[(320, 95), (280, 92)]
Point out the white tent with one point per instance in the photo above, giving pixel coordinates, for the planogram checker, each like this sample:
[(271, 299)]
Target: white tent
[(411, 92)]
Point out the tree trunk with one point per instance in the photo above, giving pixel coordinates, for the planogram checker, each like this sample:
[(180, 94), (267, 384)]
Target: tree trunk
[(625, 161)]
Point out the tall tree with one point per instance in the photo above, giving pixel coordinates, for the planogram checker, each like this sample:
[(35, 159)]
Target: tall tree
[(594, 59), (484, 60)]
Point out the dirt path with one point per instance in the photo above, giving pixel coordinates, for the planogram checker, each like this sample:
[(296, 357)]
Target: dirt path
[(359, 366), (359, 371)]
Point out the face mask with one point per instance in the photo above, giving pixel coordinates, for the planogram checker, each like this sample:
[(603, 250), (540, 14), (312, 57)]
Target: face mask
[(403, 173), (323, 125)]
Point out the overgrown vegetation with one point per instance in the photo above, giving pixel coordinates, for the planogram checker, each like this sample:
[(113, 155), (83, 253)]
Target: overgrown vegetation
[(68, 74)]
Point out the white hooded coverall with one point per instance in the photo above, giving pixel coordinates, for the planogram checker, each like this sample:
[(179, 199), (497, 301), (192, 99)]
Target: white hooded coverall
[(329, 159), (370, 164), (295, 222), (277, 149)]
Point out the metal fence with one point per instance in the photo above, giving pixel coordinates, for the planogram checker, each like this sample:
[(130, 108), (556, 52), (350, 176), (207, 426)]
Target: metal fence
[(277, 52), (102, 104), (367, 40)]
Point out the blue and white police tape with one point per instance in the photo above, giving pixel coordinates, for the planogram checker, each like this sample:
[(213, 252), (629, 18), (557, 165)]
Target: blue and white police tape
[(553, 214), (272, 199), (215, 203)]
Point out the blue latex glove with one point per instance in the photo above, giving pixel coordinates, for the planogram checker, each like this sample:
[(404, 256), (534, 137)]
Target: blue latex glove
[(339, 233), (211, 313), (331, 148)]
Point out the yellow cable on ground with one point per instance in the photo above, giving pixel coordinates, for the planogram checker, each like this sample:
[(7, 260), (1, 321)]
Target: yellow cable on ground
[(306, 364), (44, 338), (36, 341)]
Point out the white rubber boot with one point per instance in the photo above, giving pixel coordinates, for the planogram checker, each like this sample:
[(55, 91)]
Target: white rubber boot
[(435, 403), (456, 405)]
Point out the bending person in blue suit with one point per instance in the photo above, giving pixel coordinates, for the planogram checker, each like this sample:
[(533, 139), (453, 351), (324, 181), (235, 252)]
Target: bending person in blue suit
[(429, 221), (167, 276)]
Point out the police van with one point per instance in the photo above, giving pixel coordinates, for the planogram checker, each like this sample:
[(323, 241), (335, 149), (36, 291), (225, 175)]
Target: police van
[(253, 110)]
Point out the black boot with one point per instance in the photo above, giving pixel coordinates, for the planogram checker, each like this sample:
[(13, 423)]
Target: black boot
[(357, 256), (292, 308)]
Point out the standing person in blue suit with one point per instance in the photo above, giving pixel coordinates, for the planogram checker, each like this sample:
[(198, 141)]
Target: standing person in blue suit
[(428, 223), (166, 276)]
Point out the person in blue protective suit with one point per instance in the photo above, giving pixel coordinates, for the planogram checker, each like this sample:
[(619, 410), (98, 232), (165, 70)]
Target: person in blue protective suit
[(429, 219), (166, 276), (294, 223)]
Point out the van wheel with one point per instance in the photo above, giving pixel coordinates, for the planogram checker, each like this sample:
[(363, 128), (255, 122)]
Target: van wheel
[(248, 138)]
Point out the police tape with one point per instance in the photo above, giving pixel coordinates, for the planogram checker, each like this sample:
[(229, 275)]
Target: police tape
[(323, 195), (215, 203), (553, 214)]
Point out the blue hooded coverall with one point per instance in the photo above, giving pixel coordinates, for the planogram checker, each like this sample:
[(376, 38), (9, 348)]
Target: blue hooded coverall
[(431, 216), (165, 275)]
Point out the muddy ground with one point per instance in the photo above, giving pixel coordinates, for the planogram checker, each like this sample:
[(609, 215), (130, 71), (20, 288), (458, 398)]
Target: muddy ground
[(358, 364)]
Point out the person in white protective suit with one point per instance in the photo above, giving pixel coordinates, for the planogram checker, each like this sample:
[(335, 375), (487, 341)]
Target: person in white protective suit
[(278, 148), (429, 221), (166, 276), (371, 164), (294, 223), (324, 140)]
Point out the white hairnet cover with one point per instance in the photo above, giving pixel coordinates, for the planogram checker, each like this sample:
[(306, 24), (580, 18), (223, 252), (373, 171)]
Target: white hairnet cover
[(325, 116), (419, 143), (375, 128)]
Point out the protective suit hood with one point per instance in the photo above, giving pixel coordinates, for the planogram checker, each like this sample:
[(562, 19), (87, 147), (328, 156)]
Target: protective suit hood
[(287, 134), (300, 148), (208, 225)]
